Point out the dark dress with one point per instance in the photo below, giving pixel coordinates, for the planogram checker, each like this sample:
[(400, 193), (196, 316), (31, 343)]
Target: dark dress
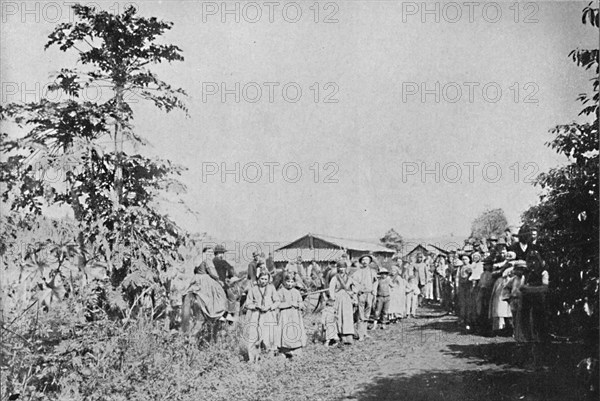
[(209, 293), (225, 271)]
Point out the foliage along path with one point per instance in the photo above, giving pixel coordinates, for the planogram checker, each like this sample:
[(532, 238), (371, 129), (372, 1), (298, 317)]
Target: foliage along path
[(429, 358)]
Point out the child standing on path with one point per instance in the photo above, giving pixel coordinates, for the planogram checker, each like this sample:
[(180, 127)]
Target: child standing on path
[(383, 298), (262, 303), (342, 290), (291, 325), (328, 324), (412, 294), (397, 295)]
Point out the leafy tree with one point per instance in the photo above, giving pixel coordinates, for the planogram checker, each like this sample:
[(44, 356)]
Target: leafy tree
[(490, 222), (567, 214), (112, 193), (392, 240)]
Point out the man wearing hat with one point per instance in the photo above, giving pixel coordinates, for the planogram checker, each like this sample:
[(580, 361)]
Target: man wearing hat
[(224, 269), (252, 267), (226, 273), (365, 279), (523, 247)]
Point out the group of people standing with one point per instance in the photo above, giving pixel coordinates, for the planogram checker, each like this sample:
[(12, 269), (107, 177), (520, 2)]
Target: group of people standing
[(501, 290), (498, 286)]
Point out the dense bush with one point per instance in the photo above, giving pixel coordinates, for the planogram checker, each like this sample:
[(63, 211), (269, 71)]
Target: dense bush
[(567, 215)]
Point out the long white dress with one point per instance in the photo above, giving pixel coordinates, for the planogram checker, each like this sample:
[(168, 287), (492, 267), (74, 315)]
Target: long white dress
[(499, 308), (398, 296), (262, 325)]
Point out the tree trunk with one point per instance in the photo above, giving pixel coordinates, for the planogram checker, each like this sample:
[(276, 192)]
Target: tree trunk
[(118, 178)]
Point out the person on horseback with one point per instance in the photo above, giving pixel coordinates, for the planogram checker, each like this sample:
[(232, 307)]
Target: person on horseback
[(205, 291)]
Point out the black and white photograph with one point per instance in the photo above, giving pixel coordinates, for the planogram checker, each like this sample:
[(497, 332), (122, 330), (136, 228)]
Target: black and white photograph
[(328, 200)]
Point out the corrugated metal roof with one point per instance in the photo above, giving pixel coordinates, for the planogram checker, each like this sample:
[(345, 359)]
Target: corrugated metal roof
[(320, 255), (349, 244)]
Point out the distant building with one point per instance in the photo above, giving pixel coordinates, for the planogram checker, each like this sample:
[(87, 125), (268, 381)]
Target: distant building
[(426, 250), (323, 249)]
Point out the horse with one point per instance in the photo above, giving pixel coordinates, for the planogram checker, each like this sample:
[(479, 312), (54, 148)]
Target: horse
[(194, 317)]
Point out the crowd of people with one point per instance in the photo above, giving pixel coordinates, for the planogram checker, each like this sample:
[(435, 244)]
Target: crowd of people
[(494, 287)]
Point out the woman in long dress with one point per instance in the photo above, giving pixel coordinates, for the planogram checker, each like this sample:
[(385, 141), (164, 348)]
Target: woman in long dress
[(500, 308), (291, 325), (397, 308), (476, 271), (207, 288), (261, 319), (342, 292)]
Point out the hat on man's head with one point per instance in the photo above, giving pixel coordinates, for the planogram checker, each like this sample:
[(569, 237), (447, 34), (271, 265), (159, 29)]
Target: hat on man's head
[(220, 249), (493, 237), (520, 264), (366, 256), (458, 262), (383, 270), (524, 231)]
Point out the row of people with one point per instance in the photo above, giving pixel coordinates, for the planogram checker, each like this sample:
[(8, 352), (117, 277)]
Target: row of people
[(369, 293), (502, 291), (488, 292), (274, 319)]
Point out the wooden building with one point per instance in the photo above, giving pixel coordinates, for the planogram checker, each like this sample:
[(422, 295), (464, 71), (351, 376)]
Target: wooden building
[(426, 250)]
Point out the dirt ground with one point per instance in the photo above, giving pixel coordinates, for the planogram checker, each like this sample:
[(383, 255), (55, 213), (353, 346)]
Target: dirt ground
[(430, 358)]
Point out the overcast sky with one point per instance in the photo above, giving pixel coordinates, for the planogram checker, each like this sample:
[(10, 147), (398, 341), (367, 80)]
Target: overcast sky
[(361, 140)]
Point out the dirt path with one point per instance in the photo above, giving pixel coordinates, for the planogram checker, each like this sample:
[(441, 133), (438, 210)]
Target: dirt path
[(429, 358)]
